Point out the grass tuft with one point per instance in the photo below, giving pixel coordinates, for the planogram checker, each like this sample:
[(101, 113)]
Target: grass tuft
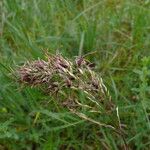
[(116, 35)]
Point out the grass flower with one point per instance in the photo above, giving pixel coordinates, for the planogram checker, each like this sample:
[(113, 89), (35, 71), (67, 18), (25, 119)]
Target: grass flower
[(67, 80)]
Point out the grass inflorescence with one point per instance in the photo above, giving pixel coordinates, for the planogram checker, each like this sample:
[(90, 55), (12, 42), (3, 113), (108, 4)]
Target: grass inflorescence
[(64, 79)]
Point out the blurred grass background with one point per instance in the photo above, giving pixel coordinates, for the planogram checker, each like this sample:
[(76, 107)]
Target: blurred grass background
[(119, 32)]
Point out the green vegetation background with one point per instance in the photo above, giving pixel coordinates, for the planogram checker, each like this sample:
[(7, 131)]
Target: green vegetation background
[(118, 30)]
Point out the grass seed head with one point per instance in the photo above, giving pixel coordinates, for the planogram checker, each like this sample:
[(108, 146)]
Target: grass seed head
[(57, 74)]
